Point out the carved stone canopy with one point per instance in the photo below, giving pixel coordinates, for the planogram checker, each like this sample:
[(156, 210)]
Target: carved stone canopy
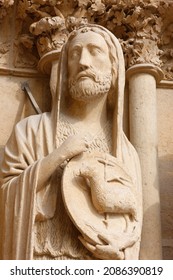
[(143, 27)]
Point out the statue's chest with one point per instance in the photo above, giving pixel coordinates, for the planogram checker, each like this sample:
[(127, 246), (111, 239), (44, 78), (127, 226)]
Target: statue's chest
[(100, 141)]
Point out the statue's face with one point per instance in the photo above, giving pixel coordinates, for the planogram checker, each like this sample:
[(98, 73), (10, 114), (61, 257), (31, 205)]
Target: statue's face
[(89, 66)]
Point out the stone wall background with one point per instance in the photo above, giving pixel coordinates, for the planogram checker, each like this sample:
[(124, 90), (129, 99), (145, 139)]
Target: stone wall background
[(19, 58), (165, 153), (14, 104)]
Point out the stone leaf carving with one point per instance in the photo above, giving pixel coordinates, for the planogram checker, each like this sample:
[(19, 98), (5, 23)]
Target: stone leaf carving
[(4, 50), (166, 42), (52, 34), (142, 26), (22, 58), (138, 25), (4, 6)]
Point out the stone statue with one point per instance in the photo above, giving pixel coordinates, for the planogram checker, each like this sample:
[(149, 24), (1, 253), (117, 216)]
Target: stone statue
[(71, 183)]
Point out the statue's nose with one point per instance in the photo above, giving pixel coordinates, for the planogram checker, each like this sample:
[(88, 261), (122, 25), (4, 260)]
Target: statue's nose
[(84, 61)]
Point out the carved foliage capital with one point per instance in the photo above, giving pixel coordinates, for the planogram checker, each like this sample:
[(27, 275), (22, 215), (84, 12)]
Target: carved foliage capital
[(4, 6), (144, 27)]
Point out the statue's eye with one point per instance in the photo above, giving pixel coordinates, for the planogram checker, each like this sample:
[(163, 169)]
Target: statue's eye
[(95, 51), (75, 53)]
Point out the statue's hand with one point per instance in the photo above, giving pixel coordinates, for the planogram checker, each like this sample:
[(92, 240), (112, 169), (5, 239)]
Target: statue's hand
[(113, 246), (73, 146)]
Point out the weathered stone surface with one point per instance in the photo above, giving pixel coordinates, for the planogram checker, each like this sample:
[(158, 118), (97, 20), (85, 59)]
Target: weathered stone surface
[(15, 105), (143, 134), (83, 130), (165, 151), (145, 32)]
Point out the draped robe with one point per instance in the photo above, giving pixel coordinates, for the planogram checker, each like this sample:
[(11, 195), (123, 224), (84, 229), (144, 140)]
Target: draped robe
[(25, 213)]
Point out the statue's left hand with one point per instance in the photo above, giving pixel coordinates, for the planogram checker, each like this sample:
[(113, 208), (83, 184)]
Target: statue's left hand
[(112, 247)]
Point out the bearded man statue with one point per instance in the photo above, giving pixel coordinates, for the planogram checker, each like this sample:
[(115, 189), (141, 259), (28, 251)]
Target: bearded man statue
[(71, 182)]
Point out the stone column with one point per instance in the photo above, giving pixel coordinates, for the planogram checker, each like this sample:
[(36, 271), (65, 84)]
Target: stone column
[(143, 135)]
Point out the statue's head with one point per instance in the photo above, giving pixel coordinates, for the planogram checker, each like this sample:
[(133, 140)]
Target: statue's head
[(91, 63)]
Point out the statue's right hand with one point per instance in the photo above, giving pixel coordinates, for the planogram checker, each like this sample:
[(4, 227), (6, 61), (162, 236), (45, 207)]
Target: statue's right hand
[(73, 146)]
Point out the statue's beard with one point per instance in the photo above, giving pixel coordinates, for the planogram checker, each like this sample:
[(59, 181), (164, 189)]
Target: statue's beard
[(94, 86)]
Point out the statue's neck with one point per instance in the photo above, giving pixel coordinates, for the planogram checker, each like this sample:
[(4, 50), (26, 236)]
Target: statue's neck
[(88, 115)]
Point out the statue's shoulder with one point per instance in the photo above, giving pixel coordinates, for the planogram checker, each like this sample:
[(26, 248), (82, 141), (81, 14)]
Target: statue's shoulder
[(33, 122)]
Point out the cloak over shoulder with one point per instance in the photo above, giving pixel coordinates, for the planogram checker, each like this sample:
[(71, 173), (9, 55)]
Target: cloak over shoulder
[(20, 205)]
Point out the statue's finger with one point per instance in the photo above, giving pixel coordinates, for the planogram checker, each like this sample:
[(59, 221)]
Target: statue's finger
[(87, 245), (104, 238), (128, 241), (109, 252)]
